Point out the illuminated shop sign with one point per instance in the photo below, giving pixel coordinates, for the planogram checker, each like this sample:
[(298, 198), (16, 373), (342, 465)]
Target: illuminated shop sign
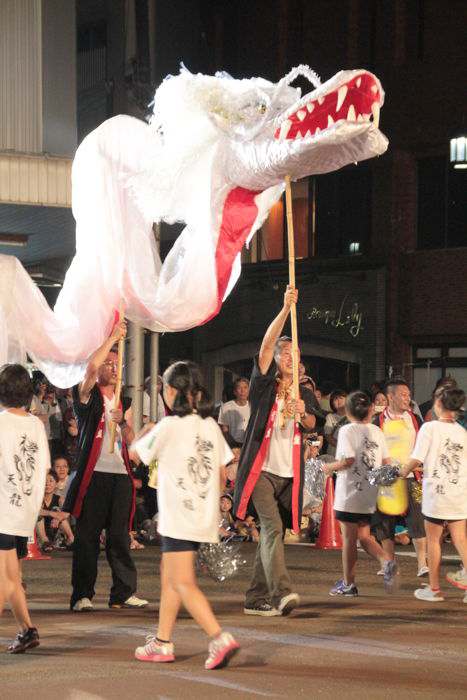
[(348, 316)]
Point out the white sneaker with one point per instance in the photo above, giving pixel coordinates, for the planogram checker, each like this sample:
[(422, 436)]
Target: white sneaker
[(153, 650), (427, 594), (220, 651), (423, 571), (288, 603), (83, 605), (132, 602)]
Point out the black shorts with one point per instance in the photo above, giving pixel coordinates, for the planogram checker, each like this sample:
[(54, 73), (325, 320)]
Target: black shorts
[(345, 517), (14, 542), (414, 517), (169, 544), (440, 521), (383, 526)]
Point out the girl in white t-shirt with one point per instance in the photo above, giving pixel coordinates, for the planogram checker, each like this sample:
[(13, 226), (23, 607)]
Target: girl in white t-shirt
[(442, 449), (361, 446), (24, 462), (191, 454)]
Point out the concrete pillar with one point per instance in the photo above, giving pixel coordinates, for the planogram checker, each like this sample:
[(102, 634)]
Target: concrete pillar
[(154, 371), (135, 372)]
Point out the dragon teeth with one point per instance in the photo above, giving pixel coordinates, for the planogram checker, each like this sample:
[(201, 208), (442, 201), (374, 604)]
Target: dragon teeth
[(330, 120), (284, 130), (308, 133), (359, 118), (351, 114), (374, 88), (318, 131), (366, 117), (358, 82), (310, 107), (298, 136), (341, 94), (301, 114), (375, 112), (320, 100)]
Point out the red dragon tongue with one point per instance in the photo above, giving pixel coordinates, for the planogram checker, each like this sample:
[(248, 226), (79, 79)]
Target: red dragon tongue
[(355, 101)]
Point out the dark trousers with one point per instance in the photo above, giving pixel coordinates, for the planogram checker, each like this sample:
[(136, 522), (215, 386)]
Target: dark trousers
[(107, 504), (270, 581)]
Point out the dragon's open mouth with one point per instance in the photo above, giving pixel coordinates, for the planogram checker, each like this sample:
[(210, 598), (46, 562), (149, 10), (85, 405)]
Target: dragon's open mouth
[(356, 100)]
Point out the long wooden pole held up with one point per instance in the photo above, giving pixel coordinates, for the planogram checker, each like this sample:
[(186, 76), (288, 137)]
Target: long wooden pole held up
[(293, 308), (118, 385)]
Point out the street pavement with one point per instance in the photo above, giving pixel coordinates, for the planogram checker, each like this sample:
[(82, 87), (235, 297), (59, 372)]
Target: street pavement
[(371, 647)]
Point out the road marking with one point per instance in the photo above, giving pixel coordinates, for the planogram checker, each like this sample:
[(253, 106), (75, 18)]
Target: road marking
[(188, 676), (345, 645)]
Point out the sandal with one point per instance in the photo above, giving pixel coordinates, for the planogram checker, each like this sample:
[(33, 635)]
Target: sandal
[(47, 547)]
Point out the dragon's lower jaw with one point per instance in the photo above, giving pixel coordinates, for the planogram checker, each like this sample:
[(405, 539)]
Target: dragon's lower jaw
[(265, 164)]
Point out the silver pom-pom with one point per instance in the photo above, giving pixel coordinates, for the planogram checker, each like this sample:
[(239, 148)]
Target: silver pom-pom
[(384, 475), (314, 477), (220, 561)]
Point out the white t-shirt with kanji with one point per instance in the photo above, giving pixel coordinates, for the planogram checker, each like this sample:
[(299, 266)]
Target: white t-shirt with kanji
[(364, 442), (441, 447), (24, 462), (190, 452)]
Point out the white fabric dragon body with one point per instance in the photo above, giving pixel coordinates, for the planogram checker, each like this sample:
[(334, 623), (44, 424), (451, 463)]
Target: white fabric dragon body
[(214, 156)]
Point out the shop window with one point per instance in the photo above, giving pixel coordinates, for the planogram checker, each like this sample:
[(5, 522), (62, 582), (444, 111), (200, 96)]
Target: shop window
[(432, 363), (442, 211), (343, 212), (271, 236), (424, 353)]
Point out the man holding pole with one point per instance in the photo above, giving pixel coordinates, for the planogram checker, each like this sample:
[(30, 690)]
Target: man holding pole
[(270, 473), (101, 496)]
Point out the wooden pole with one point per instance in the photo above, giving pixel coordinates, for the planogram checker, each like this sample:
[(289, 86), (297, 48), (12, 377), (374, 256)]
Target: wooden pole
[(118, 385), (293, 308)]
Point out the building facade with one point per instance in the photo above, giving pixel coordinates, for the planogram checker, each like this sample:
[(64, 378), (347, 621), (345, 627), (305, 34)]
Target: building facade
[(381, 247)]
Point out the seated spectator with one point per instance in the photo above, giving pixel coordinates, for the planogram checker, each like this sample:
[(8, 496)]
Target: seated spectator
[(337, 404), (248, 529), (51, 520), (62, 469), (227, 523), (234, 415)]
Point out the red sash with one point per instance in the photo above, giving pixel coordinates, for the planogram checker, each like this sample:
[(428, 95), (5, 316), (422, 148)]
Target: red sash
[(257, 466)]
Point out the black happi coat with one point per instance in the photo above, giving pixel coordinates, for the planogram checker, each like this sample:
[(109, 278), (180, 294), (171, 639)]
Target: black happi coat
[(263, 390), (88, 416)]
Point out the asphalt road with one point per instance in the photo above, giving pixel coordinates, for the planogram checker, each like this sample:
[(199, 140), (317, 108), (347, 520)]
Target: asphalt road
[(374, 646)]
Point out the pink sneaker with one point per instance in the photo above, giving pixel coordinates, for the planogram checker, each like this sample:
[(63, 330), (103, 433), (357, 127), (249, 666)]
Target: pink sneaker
[(155, 651), (221, 650)]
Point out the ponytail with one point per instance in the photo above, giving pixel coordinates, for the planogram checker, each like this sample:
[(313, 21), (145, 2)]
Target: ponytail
[(358, 404), (191, 396), (203, 403)]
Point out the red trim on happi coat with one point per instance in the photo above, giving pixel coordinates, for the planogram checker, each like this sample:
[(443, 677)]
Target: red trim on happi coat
[(92, 461)]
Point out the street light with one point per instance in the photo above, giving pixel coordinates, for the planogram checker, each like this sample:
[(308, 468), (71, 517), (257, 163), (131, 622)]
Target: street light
[(458, 150)]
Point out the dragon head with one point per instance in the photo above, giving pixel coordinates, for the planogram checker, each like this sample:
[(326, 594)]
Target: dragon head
[(255, 132)]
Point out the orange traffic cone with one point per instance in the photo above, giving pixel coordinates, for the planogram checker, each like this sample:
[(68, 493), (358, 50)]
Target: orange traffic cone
[(33, 550), (329, 531)]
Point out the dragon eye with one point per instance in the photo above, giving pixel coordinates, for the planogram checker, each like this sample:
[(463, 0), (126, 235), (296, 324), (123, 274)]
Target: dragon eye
[(261, 108)]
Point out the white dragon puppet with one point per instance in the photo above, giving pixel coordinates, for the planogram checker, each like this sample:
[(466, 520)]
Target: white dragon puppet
[(214, 156)]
